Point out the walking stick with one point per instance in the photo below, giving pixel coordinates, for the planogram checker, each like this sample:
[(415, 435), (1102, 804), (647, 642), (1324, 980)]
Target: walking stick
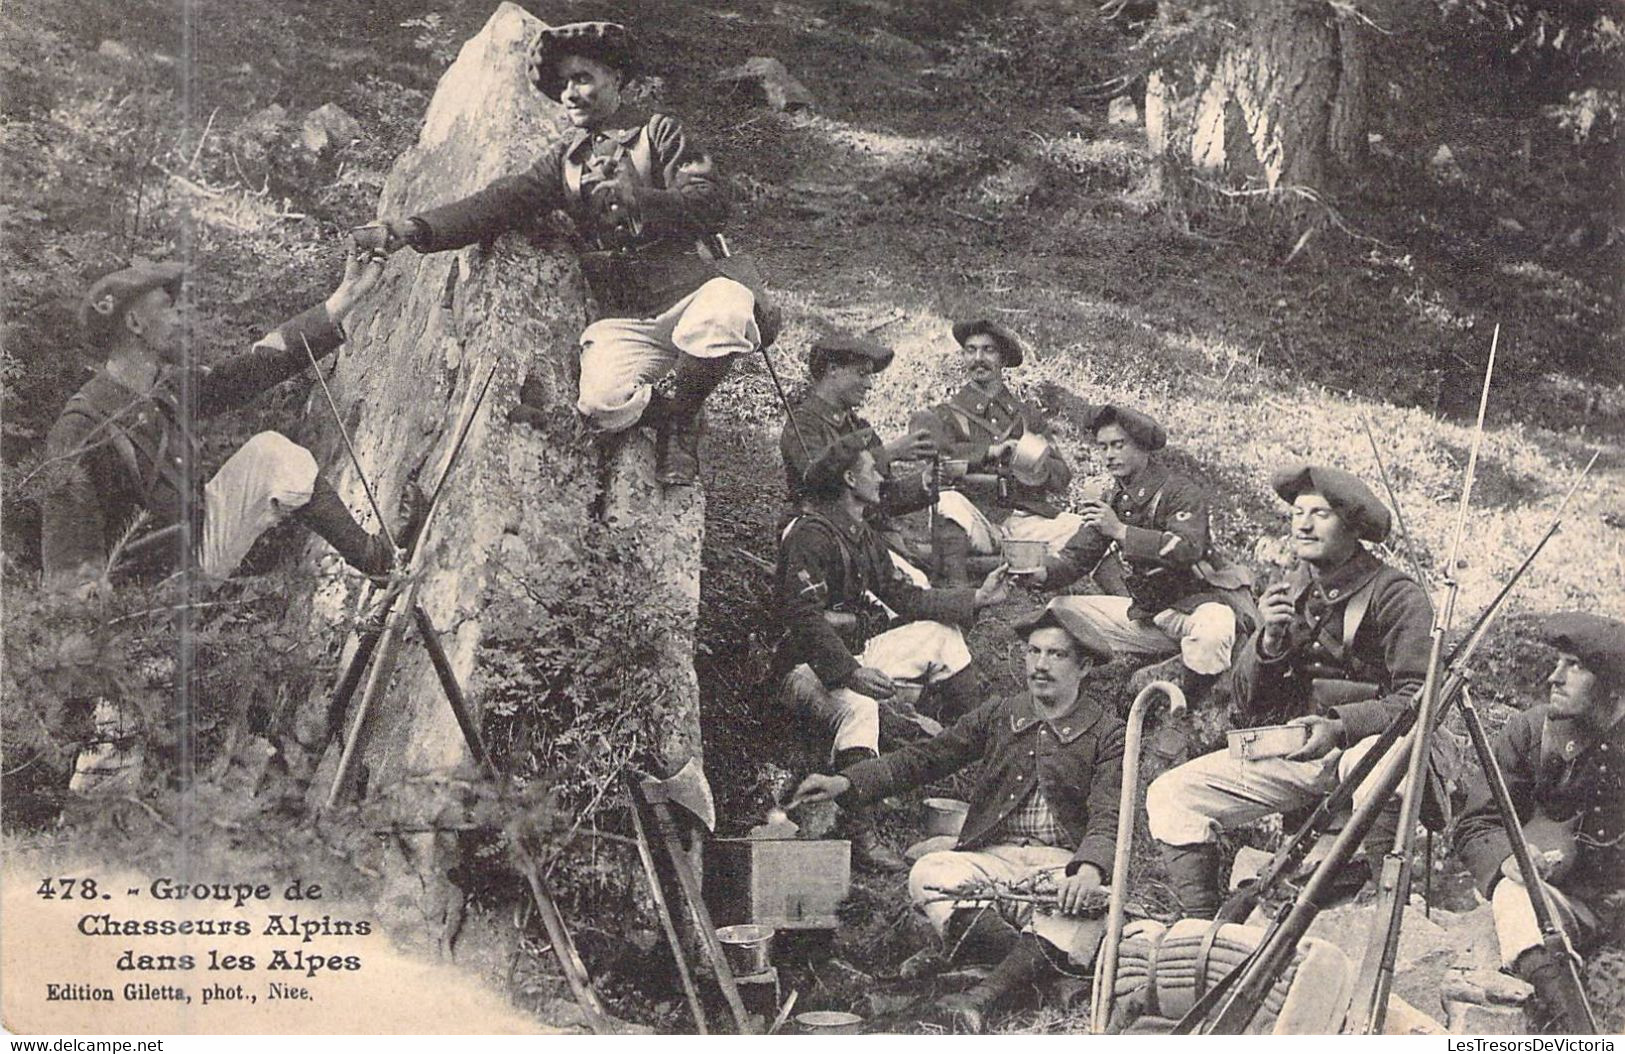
[(1253, 978), (1100, 1010), (1576, 1008), (1376, 974)]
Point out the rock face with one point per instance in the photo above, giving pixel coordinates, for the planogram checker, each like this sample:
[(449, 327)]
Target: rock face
[(522, 498)]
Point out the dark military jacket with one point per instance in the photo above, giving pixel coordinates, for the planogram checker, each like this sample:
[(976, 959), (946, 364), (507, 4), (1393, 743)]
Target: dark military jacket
[(1166, 515), (680, 199), (966, 425), (1076, 761), (831, 562), (136, 451), (1576, 780), (819, 424), (1389, 647)]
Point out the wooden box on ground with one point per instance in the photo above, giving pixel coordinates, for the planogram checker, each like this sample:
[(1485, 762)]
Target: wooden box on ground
[(788, 884)]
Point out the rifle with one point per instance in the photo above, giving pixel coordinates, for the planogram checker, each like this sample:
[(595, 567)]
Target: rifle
[(1252, 979), (1376, 974)]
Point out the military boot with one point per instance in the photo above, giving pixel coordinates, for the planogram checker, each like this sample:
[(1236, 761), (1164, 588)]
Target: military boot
[(326, 516), (1554, 1006), (1019, 971), (958, 695), (1193, 872), (677, 437), (857, 826)]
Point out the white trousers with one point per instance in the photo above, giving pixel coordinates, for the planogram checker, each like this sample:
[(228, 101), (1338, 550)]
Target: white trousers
[(622, 358), (986, 536), (1204, 638), (952, 868), (1191, 804), (924, 651), (1516, 930), (266, 479)]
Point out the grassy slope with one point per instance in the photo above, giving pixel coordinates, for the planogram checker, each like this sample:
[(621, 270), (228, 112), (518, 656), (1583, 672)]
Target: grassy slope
[(933, 179)]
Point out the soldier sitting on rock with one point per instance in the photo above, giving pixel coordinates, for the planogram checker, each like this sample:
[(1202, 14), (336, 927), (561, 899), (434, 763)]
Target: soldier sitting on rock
[(982, 425), (129, 435), (856, 625), (842, 367), (1173, 592), (1342, 649), (1563, 770), (1042, 820), (645, 202)]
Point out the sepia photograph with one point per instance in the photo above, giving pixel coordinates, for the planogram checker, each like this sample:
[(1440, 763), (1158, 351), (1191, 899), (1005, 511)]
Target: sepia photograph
[(812, 517)]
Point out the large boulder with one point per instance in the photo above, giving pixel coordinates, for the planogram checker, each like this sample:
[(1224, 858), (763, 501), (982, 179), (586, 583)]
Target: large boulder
[(526, 506)]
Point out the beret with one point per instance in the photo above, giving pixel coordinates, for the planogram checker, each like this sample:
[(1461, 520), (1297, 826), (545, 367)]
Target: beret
[(845, 347), (102, 310), (1343, 491), (607, 42), (1009, 346), (1074, 625), (1141, 428), (824, 473), (1599, 643)]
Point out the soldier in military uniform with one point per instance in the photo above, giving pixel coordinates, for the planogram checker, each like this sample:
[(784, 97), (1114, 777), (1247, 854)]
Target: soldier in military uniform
[(981, 425), (1562, 766), (1342, 649), (1174, 592), (129, 434), (1044, 806), (856, 626), (646, 204), (842, 367)]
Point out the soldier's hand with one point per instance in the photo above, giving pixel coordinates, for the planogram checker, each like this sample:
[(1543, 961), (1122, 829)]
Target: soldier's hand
[(1325, 735), (915, 446), (866, 680), (1103, 518), (361, 274), (1073, 892), (387, 235), (1546, 862), (1275, 612), (818, 788), (997, 452), (995, 588)]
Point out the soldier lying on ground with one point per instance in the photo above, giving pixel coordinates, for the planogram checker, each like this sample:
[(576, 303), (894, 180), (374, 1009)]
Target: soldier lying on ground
[(842, 367), (1562, 767), (1342, 649), (841, 597), (1173, 590), (642, 198), (129, 433), (1045, 802), (981, 424)]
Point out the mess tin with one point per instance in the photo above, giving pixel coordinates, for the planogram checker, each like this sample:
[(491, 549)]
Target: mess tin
[(1025, 557), (1027, 460), (1267, 741), (829, 1022), (945, 816)]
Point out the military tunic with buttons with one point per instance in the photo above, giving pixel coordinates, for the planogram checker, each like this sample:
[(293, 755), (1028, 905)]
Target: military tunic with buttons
[(829, 562), (1076, 763), (136, 451), (1390, 647), (974, 419), (679, 197), (820, 424), (1560, 771), (1166, 516)]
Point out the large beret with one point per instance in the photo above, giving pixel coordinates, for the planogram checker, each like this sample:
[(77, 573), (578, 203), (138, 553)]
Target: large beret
[(1009, 345), (1343, 491), (102, 310), (1599, 643), (607, 42), (1141, 428), (840, 348), (824, 473), (1074, 625)]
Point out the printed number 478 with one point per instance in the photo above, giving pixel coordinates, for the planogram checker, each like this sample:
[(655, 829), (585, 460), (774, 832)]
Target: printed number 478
[(68, 888)]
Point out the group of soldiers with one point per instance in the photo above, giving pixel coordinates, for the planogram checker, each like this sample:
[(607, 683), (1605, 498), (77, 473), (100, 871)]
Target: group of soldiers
[(875, 627)]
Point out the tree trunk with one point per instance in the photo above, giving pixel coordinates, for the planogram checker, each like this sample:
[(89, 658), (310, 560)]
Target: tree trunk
[(1279, 110)]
